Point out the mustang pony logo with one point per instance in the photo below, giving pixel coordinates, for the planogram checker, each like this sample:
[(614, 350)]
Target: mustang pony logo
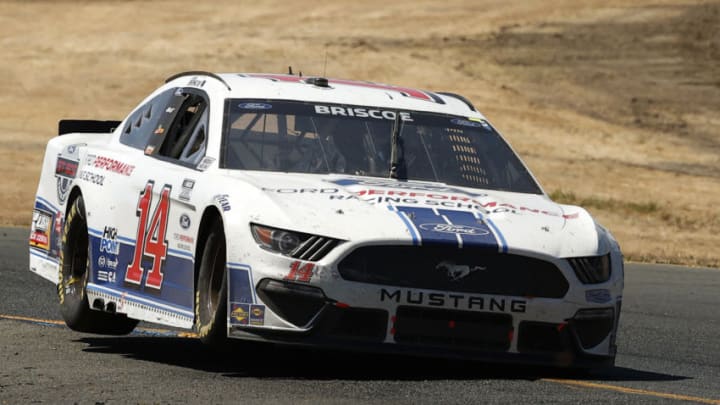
[(457, 271)]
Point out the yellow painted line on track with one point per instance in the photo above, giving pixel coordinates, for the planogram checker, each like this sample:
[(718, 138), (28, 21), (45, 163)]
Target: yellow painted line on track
[(634, 391), (28, 319), (62, 323)]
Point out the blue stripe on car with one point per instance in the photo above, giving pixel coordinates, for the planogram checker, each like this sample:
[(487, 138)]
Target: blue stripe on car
[(450, 227), (240, 287)]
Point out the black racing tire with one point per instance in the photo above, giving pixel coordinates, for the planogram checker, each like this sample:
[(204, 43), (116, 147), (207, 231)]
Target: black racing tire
[(211, 290), (74, 275)]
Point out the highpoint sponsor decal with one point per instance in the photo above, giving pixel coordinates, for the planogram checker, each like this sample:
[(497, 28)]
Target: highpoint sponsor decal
[(109, 243)]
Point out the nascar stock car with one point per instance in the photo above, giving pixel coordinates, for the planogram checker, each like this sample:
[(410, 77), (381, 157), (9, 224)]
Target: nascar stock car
[(323, 212)]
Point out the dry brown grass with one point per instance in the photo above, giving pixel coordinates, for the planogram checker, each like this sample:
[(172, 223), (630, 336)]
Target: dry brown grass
[(613, 104)]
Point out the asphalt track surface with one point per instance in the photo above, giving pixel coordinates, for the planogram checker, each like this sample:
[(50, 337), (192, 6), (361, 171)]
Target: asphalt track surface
[(669, 351)]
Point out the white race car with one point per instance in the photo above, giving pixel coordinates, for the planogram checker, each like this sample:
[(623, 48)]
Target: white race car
[(321, 212)]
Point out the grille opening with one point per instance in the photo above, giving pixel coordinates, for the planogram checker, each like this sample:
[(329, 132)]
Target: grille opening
[(439, 327), (427, 267)]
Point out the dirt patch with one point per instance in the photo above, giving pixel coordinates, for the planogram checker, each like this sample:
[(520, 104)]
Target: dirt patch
[(613, 104)]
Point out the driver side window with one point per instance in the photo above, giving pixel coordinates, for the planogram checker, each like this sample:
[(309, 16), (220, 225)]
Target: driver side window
[(182, 133), (195, 148)]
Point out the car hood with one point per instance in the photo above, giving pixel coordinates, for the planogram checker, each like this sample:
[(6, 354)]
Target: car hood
[(379, 210)]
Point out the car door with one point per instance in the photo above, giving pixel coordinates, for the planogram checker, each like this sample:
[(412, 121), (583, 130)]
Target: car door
[(156, 215)]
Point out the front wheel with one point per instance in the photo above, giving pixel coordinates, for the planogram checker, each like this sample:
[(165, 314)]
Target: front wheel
[(74, 275), (211, 290)]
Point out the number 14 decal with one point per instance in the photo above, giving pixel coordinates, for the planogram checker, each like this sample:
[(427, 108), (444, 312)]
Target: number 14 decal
[(150, 240)]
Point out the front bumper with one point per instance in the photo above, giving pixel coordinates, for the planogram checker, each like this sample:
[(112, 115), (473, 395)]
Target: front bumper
[(585, 337)]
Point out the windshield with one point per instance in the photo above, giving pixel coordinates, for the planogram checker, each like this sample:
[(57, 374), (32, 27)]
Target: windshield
[(303, 137)]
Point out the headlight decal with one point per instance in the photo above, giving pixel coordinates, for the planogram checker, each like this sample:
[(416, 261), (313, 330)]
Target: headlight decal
[(293, 244)]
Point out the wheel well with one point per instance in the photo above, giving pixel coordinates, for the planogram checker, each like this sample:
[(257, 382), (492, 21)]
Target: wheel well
[(210, 217), (74, 194)]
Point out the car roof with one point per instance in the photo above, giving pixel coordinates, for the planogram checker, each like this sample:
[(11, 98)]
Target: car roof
[(268, 86)]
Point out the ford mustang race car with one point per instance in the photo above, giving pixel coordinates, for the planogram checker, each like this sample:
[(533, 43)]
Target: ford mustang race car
[(322, 212)]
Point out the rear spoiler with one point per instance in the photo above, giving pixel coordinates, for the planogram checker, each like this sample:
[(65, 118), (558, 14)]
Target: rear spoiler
[(86, 126)]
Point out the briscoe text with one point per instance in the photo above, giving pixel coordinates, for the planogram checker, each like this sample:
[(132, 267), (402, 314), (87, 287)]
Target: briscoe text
[(361, 112)]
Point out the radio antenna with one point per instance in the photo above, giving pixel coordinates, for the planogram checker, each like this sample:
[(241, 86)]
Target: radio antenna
[(325, 64)]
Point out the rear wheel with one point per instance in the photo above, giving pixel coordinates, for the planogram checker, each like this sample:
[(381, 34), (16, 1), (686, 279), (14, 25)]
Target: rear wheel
[(211, 291), (74, 275)]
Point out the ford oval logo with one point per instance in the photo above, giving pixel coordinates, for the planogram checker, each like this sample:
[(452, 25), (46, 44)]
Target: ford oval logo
[(255, 106), (185, 221), (455, 229)]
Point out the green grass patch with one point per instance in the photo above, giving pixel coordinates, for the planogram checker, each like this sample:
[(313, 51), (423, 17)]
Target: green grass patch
[(652, 209), (566, 197)]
